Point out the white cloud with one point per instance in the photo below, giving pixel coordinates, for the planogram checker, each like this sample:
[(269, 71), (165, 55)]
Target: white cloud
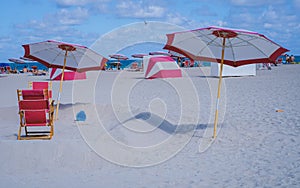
[(221, 23), (275, 19), (297, 3), (176, 19), (256, 2), (270, 14), (205, 11), (100, 8), (68, 3), (139, 10), (71, 17), (279, 23), (5, 39), (59, 26)]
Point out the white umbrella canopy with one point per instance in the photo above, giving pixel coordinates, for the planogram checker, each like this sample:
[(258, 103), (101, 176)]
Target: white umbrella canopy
[(228, 46), (52, 54), (55, 54), (241, 46)]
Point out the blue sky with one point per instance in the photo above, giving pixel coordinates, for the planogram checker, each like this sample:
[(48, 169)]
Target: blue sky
[(86, 21)]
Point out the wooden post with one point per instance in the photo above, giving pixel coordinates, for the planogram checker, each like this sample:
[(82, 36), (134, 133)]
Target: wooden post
[(219, 90)]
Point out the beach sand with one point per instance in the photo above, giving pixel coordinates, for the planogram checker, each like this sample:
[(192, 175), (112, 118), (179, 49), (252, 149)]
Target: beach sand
[(157, 133)]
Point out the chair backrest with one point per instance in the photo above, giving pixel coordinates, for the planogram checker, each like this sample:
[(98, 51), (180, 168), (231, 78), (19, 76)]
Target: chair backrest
[(40, 85), (34, 104), (28, 94), (35, 117)]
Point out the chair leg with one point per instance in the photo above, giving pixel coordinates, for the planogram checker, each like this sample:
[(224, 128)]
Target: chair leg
[(26, 132), (51, 131), (19, 133)]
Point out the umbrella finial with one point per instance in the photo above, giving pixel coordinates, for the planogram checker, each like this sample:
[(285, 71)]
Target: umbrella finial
[(224, 33), (67, 47)]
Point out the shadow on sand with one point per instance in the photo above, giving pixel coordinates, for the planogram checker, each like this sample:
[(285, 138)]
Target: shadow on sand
[(165, 125)]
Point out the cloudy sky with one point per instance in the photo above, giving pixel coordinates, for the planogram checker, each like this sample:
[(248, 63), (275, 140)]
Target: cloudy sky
[(86, 21)]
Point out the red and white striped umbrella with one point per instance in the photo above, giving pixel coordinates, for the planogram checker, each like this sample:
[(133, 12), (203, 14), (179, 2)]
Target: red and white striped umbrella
[(54, 54), (118, 56), (138, 55), (225, 46), (18, 61), (26, 59), (160, 53), (241, 47)]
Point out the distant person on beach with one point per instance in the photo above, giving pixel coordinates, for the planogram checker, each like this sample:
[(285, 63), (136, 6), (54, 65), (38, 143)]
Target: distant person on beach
[(179, 61), (268, 65), (287, 58), (15, 71), (25, 69), (186, 63), (292, 59), (278, 61), (34, 71), (192, 64)]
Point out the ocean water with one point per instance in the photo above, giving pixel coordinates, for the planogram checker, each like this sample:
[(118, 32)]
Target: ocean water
[(124, 63), (21, 66), (297, 58)]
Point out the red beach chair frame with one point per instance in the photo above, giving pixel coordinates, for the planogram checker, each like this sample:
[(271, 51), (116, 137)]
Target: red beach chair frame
[(35, 110)]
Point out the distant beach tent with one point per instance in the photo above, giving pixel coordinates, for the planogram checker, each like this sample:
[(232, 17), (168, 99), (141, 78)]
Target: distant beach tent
[(56, 74), (160, 67)]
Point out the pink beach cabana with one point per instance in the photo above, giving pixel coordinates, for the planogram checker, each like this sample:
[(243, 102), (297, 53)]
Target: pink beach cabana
[(56, 74), (160, 67)]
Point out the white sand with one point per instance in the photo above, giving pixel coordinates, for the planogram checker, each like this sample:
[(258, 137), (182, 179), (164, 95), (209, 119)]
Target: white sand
[(150, 133)]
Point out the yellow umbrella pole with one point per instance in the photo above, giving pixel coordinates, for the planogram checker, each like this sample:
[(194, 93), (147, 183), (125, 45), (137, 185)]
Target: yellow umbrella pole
[(60, 85), (219, 90)]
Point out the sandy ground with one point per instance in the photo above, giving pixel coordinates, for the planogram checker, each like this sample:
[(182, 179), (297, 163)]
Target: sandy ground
[(156, 133)]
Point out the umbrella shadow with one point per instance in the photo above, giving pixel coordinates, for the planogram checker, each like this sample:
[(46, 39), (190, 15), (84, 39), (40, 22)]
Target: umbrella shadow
[(216, 77), (165, 125), (206, 76), (69, 105), (140, 78)]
